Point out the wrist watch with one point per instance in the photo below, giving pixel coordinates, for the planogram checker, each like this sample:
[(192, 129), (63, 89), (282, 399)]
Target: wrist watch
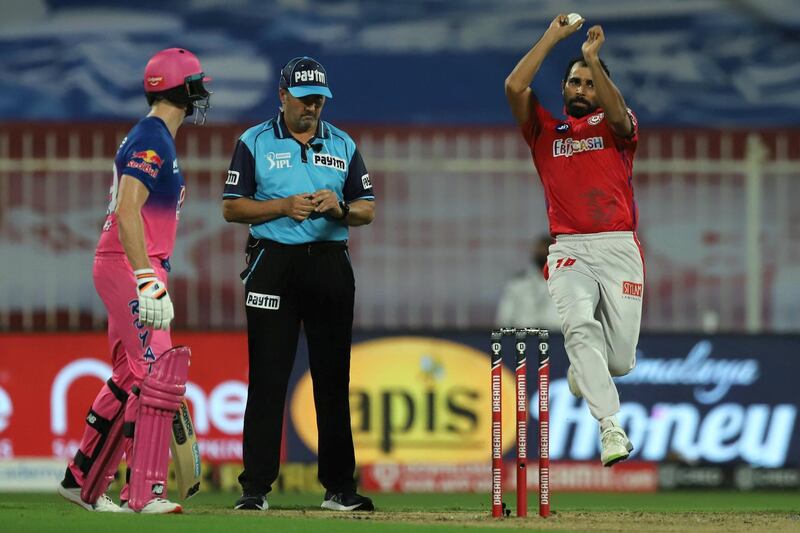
[(345, 207)]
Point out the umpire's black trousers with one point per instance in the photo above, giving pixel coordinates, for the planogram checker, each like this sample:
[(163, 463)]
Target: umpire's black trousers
[(284, 286)]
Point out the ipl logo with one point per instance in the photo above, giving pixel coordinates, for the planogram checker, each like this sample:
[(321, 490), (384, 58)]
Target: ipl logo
[(279, 160)]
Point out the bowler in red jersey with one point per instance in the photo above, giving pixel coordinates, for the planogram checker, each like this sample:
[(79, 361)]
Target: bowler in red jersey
[(585, 163)]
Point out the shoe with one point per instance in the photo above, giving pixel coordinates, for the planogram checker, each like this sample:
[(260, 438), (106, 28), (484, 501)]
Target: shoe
[(347, 501), (104, 504), (161, 506), (251, 502), (572, 382), (615, 446)]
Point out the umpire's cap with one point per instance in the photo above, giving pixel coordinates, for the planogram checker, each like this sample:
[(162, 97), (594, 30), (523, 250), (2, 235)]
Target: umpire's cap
[(303, 76)]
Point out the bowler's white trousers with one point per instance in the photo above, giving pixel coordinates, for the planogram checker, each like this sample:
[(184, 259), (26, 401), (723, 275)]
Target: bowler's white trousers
[(596, 281)]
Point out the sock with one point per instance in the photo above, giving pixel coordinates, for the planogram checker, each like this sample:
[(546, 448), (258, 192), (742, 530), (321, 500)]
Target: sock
[(609, 421), (69, 481)]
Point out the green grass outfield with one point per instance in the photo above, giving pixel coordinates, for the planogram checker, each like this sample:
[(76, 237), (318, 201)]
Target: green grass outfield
[(445, 513)]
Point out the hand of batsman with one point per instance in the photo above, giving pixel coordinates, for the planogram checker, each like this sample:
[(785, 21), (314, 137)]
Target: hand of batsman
[(560, 28), (594, 40), (298, 206), (155, 306), (327, 203)]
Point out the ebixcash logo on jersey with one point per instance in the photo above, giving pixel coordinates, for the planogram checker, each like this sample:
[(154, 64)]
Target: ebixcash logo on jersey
[(327, 160), (569, 146)]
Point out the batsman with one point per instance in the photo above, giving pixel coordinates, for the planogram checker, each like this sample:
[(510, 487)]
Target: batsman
[(135, 411), (595, 268)]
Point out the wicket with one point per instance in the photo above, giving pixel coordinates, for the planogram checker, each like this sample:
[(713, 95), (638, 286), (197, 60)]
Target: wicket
[(520, 335)]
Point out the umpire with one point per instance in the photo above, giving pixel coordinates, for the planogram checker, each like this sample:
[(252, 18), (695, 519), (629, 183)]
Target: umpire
[(300, 183)]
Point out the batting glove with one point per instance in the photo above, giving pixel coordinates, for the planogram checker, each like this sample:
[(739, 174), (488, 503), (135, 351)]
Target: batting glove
[(155, 307)]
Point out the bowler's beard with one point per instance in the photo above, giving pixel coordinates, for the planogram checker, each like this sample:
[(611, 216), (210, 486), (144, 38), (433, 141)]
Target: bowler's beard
[(579, 111)]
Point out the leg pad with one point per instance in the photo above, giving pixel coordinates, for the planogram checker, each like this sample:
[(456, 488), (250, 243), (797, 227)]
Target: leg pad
[(162, 393)]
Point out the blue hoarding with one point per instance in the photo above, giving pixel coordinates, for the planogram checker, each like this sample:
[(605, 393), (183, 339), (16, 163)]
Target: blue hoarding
[(691, 398)]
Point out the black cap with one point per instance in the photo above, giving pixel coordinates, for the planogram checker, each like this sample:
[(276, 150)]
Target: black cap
[(303, 76)]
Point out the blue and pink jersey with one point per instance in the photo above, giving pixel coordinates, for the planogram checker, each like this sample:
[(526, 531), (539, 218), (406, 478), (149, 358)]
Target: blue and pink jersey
[(148, 155)]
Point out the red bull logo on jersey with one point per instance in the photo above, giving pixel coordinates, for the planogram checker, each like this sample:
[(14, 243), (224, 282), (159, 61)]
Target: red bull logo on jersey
[(631, 289), (569, 146), (148, 156), (148, 161)]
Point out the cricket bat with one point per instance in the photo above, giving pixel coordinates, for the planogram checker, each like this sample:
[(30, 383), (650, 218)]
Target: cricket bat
[(185, 452)]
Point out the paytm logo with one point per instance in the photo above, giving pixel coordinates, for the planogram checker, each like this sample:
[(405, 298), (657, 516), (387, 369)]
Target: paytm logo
[(309, 75), (327, 160), (568, 147), (263, 301)]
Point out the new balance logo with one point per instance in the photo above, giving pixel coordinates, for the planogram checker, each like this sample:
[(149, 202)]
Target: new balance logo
[(279, 160), (263, 301), (233, 178)]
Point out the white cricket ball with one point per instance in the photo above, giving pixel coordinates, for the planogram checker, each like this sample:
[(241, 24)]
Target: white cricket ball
[(572, 18)]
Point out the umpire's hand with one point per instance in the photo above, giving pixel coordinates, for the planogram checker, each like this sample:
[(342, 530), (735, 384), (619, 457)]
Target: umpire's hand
[(327, 203), (298, 206)]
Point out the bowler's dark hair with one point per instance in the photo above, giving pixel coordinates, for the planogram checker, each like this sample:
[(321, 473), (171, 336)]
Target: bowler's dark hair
[(583, 61)]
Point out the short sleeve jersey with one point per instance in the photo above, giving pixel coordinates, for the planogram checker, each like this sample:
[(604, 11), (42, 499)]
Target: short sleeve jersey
[(586, 170), (269, 163), (148, 155)]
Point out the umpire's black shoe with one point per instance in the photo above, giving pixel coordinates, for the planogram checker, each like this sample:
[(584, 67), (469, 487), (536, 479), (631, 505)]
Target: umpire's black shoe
[(347, 501), (252, 502)]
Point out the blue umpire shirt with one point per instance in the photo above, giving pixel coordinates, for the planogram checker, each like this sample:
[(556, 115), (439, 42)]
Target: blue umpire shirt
[(269, 163)]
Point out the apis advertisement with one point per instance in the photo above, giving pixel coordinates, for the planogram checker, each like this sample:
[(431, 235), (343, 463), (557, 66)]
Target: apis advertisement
[(415, 400)]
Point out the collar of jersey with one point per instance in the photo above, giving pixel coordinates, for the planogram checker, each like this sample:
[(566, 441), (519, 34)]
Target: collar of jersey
[(282, 132), (573, 120), (159, 121)]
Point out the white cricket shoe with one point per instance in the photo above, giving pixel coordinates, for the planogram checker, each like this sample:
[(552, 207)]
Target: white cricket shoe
[(572, 382), (615, 446), (104, 504), (161, 506)]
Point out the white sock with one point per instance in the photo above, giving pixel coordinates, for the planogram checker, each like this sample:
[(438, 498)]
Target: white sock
[(609, 421)]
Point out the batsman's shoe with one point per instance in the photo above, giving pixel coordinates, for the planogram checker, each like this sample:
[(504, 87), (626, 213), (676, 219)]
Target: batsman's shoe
[(161, 506), (573, 383), (104, 504), (615, 446), (347, 501), (251, 502)]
